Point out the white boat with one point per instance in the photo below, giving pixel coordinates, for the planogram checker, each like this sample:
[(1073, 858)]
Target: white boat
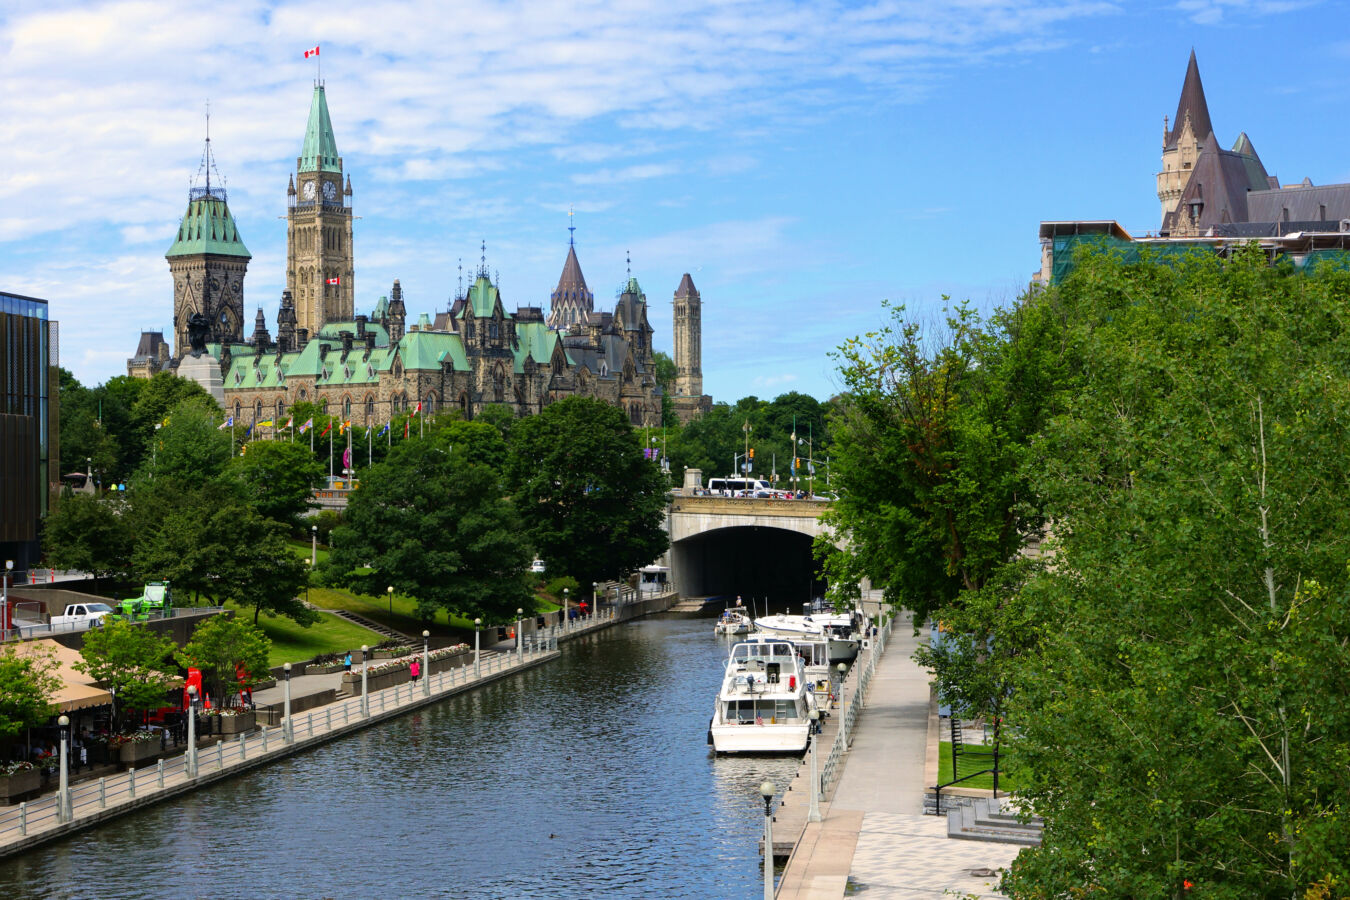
[(765, 701), (734, 620), (843, 644)]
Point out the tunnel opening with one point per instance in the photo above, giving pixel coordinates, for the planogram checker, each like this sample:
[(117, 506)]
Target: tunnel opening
[(772, 566)]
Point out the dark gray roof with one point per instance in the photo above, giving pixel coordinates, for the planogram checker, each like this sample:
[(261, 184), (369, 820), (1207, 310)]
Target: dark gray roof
[(149, 344), (1192, 101), (1320, 204), (686, 288)]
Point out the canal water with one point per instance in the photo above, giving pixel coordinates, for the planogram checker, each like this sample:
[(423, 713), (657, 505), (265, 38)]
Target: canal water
[(589, 776)]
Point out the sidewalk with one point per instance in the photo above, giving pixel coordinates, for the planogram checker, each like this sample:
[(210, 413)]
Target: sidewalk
[(874, 833)]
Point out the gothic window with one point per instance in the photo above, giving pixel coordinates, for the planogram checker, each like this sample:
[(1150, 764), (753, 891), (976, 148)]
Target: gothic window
[(257, 411), (464, 405), (498, 385), (280, 409), (324, 406), (238, 411), (303, 394), (347, 408), (430, 406), (492, 329), (370, 409)]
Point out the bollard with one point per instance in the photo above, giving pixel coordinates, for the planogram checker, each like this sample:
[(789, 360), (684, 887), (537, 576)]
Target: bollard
[(220, 754), (309, 725), (330, 718), (159, 773), (23, 817), (243, 747), (264, 734), (345, 719), (131, 784), (102, 793)]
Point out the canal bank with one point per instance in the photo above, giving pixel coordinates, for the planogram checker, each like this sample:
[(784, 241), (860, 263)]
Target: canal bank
[(587, 777), (94, 803)]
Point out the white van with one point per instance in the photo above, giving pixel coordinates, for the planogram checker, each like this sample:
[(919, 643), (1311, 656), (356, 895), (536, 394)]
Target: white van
[(739, 487)]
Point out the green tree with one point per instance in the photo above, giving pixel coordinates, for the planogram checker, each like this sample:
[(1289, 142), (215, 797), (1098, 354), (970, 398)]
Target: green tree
[(27, 683), (499, 416), (592, 505), (88, 534), (434, 526), (1183, 719), (278, 479), (230, 654), (188, 444), (132, 661)]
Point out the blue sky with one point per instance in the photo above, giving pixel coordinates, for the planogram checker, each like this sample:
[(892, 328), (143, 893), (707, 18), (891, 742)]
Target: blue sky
[(804, 161)]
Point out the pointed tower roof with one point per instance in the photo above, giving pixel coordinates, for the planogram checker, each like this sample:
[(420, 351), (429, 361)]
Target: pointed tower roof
[(208, 227), (686, 288), (319, 154), (1192, 101), (571, 278)]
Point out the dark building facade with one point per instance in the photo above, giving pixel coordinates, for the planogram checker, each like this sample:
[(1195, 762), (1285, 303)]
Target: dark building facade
[(29, 470)]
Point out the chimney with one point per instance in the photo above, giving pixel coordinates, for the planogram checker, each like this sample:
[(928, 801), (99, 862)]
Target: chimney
[(323, 350), (361, 326)]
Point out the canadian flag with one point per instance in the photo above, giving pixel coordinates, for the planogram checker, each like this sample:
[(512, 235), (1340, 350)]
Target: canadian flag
[(314, 52), (335, 281)]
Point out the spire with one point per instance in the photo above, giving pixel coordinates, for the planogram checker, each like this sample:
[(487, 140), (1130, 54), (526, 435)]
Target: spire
[(1192, 103), (686, 288), (319, 153), (572, 301), (571, 228), (207, 226)]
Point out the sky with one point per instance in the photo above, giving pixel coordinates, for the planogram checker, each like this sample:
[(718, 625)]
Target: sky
[(804, 162)]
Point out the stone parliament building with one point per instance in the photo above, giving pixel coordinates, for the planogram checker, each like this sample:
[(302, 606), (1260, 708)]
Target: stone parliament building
[(369, 368)]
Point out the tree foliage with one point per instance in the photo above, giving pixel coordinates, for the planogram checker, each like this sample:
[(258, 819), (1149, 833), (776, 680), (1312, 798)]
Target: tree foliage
[(1184, 719), (278, 479), (27, 683), (592, 505), (434, 525), (132, 660), (229, 653), (88, 534)]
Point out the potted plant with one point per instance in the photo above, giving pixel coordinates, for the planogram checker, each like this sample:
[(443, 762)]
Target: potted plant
[(135, 747), (19, 780), (232, 720)]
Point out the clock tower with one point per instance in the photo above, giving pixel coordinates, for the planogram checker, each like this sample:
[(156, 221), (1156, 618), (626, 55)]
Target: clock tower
[(319, 264)]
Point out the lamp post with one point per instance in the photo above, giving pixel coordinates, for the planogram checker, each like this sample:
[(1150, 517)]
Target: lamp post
[(563, 621), (63, 797), (766, 791), (313, 546), (520, 628), (477, 668), (813, 813), (390, 592), (192, 732), (843, 707), (426, 663), (595, 598), (365, 697), (4, 603), (287, 732)]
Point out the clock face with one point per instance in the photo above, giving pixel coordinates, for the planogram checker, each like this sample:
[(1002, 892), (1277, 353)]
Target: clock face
[(308, 190), (329, 190)]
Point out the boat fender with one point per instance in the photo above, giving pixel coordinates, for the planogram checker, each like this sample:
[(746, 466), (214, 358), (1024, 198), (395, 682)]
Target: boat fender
[(792, 682)]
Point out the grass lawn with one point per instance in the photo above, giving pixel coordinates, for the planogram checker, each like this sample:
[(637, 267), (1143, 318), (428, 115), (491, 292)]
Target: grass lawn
[(293, 643), (974, 758)]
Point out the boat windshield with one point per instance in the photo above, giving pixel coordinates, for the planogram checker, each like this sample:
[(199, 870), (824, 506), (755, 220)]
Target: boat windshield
[(761, 649)]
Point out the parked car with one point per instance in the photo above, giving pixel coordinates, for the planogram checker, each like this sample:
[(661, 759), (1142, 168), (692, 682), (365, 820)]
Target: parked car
[(537, 566)]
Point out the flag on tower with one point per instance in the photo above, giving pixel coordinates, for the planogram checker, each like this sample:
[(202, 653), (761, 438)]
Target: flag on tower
[(334, 280), (314, 52)]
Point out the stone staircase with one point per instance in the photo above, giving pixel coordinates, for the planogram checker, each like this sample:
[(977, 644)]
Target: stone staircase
[(989, 820), (382, 630)]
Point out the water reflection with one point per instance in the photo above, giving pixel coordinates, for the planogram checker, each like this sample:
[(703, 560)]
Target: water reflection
[(590, 776)]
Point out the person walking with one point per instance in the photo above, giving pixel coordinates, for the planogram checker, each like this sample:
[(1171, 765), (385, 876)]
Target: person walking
[(415, 669), (347, 661)]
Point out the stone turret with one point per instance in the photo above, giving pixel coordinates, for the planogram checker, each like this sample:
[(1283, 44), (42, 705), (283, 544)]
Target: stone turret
[(398, 313), (286, 336), (261, 339)]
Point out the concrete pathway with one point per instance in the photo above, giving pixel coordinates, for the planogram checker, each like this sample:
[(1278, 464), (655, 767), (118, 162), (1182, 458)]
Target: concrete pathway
[(874, 833)]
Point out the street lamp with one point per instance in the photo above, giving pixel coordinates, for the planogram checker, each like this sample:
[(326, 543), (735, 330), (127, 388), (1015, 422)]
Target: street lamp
[(426, 663), (314, 546), (563, 620), (843, 707), (477, 669), (192, 731), (287, 732), (390, 591), (813, 813), (4, 602), (365, 697), (595, 597), (766, 791), (520, 633), (63, 797)]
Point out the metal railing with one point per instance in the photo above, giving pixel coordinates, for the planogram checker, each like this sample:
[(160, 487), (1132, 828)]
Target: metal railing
[(26, 632), (92, 797)]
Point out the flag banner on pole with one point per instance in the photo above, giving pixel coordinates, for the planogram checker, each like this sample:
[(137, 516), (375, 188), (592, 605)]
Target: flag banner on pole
[(419, 408), (342, 428), (384, 430), (289, 422), (228, 423), (347, 458), (307, 426), (247, 432), (326, 430), (333, 281), (313, 52), (266, 423), (405, 429)]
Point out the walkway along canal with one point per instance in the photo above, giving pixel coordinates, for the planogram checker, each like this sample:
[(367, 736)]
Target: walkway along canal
[(588, 776)]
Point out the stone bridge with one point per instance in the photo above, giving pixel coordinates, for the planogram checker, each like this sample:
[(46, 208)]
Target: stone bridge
[(751, 547)]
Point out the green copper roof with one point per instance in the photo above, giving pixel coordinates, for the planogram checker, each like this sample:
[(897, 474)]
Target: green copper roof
[(482, 300), (319, 153), (632, 287), (208, 227), (536, 342), (426, 350)]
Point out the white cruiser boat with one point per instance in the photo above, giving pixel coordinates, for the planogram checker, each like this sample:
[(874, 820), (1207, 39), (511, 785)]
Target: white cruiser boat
[(734, 620), (765, 702), (838, 630)]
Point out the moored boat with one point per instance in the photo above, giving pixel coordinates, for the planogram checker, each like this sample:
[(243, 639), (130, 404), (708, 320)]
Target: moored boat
[(765, 700), (843, 643), (734, 620)]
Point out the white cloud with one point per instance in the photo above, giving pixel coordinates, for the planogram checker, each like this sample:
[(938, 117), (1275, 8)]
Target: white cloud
[(1211, 12)]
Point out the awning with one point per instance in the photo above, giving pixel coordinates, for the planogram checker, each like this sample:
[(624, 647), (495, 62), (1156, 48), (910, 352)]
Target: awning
[(77, 690)]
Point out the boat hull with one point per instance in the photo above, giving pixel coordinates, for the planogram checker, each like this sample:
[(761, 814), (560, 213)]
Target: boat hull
[(750, 738)]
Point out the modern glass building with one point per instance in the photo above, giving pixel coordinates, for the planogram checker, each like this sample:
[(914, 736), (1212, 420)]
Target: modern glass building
[(29, 470)]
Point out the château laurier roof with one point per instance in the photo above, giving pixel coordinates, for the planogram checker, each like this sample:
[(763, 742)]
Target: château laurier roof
[(319, 153), (1192, 101)]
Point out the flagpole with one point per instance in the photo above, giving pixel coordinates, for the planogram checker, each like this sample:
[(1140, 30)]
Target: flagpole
[(330, 452), (370, 448)]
